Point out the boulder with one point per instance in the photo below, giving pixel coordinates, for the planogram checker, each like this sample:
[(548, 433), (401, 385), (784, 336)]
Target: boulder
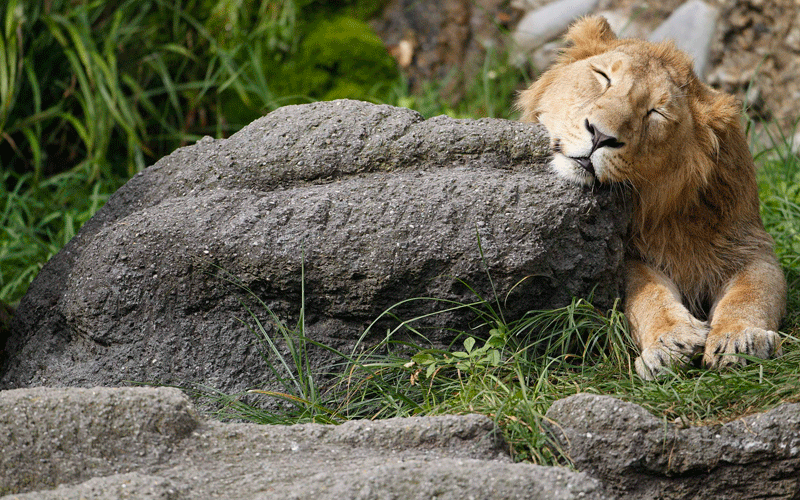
[(342, 209), (111, 443), (639, 456), (692, 26)]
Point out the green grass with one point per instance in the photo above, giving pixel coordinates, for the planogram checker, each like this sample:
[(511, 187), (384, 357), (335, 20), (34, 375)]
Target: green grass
[(38, 219), (116, 85), (509, 371), (779, 186)]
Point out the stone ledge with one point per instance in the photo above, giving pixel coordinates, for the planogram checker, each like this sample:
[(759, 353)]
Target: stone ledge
[(98, 444), (639, 456)]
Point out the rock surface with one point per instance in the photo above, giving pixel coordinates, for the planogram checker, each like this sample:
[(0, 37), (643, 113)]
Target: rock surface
[(352, 206), (692, 26), (757, 57), (639, 456), (114, 443)]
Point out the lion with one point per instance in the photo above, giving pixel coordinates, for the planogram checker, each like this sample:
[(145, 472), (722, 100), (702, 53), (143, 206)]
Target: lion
[(701, 272)]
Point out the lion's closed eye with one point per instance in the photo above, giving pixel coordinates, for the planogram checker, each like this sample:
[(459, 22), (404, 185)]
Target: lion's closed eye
[(660, 115), (602, 77)]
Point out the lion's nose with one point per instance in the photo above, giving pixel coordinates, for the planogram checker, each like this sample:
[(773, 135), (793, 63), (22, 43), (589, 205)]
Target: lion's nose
[(601, 140)]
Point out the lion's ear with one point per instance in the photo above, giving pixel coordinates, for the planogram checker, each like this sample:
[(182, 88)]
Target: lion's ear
[(718, 116), (588, 36)]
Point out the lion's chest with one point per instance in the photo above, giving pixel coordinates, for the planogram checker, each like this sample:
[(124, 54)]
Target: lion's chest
[(698, 258)]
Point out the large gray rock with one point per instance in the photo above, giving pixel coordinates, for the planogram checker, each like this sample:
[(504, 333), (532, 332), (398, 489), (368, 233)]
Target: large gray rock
[(363, 206), (113, 443), (640, 456), (50, 437)]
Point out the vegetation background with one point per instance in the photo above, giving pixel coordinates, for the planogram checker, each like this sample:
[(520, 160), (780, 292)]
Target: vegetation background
[(93, 91)]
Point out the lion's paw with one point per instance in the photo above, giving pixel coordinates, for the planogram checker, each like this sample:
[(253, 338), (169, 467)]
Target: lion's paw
[(722, 350), (671, 349)]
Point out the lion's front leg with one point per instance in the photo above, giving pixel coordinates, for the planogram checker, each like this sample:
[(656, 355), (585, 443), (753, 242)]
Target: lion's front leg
[(665, 331), (746, 315)]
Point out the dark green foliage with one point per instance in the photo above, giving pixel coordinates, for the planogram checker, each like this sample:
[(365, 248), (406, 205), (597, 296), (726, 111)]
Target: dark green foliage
[(38, 219), (92, 92), (339, 58), (116, 85)]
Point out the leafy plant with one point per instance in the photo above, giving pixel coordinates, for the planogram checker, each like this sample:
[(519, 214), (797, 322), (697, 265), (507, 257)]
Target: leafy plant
[(470, 359), (338, 58)]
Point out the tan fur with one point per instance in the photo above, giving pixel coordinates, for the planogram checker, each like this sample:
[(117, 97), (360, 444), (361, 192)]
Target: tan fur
[(701, 272)]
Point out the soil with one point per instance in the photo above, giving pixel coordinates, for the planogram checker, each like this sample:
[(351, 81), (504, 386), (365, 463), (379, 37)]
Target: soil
[(445, 39), (757, 57)]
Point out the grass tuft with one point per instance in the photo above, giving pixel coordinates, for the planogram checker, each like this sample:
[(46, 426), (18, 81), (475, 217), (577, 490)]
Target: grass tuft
[(38, 219), (514, 374)]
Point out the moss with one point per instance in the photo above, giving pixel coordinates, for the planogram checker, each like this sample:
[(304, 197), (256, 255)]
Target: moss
[(339, 58), (336, 57)]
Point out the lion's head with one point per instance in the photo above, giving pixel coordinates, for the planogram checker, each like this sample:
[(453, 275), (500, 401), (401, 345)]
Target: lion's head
[(626, 110)]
